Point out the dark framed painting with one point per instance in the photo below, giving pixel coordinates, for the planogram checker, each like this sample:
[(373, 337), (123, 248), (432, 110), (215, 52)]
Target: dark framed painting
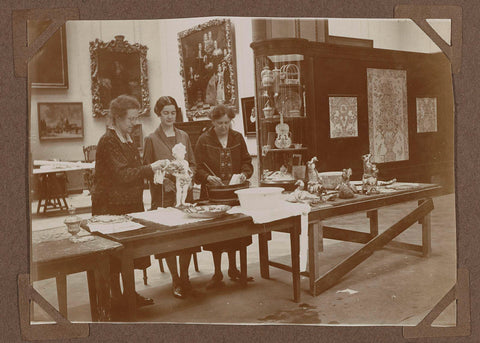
[(48, 68), (117, 68), (137, 136), (249, 116), (60, 120), (208, 69)]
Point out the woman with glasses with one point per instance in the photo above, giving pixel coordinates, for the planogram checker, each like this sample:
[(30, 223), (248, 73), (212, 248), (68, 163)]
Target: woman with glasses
[(222, 151), (158, 146), (119, 178)]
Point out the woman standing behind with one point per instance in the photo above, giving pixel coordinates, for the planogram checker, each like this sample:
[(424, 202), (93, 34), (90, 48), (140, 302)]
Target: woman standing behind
[(158, 146), (119, 177), (223, 151)]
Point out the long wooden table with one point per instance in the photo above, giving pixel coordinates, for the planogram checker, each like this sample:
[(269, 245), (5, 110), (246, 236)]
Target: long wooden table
[(373, 241), (155, 238), (55, 256)]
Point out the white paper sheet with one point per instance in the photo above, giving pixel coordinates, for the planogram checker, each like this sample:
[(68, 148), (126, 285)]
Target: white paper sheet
[(166, 216), (107, 228)]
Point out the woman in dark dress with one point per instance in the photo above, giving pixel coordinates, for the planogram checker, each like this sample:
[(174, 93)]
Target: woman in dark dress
[(158, 146), (119, 177), (224, 152)]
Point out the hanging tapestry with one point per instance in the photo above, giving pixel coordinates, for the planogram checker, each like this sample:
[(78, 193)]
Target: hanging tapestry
[(387, 114)]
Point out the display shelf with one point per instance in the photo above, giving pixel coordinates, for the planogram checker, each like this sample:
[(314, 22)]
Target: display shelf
[(286, 150), (280, 69), (276, 119)]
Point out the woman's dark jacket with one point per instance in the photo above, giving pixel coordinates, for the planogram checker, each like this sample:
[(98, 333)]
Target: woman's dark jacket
[(224, 162)]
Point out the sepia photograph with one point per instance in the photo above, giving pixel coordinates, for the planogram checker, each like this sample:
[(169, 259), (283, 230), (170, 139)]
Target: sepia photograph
[(244, 171)]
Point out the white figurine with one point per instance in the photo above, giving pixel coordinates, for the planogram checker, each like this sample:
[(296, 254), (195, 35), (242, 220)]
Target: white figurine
[(315, 182), (180, 168)]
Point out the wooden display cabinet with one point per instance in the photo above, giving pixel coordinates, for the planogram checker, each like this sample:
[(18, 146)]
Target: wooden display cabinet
[(281, 66)]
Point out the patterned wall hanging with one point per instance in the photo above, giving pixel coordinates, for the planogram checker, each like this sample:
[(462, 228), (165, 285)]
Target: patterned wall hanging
[(387, 114), (343, 116), (426, 115)]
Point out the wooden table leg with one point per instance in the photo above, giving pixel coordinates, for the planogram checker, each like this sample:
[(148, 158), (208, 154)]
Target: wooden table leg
[(334, 275), (195, 262), (92, 293), (314, 246), (426, 235), (263, 252), (295, 252), (373, 215), (62, 294), (128, 279), (243, 266), (102, 285)]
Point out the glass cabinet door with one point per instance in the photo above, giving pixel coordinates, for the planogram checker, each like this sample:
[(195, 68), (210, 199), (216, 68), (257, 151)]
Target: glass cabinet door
[(281, 113)]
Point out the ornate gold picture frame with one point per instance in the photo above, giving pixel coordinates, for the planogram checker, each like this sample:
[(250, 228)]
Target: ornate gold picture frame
[(208, 69), (118, 67)]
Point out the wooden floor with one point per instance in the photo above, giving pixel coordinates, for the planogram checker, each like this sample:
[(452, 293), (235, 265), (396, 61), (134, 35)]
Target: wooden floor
[(392, 287)]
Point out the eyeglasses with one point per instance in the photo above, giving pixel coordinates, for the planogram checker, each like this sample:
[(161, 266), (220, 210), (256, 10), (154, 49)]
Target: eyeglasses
[(133, 119)]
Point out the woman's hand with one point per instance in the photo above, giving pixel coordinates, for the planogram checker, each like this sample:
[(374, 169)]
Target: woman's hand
[(158, 165), (214, 180), (243, 178)]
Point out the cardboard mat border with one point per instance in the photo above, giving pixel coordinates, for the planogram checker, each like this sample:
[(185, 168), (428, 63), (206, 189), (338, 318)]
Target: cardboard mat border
[(66, 330)]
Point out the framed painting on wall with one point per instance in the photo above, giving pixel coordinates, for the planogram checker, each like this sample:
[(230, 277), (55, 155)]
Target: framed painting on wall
[(60, 120), (343, 116), (48, 68), (207, 59), (249, 116), (137, 136), (426, 115), (118, 67)]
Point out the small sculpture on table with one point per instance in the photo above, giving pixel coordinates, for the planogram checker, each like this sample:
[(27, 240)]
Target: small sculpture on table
[(370, 176), (180, 169), (301, 195), (315, 184), (345, 189)]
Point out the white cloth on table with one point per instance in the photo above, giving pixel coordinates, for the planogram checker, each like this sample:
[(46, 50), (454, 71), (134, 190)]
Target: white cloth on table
[(284, 210)]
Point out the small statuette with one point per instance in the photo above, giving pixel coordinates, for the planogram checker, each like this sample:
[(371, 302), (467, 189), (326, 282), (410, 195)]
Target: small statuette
[(345, 189), (314, 184), (370, 175)]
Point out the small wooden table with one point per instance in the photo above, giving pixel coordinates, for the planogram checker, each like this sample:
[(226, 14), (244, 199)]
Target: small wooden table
[(55, 256), (52, 188), (373, 241)]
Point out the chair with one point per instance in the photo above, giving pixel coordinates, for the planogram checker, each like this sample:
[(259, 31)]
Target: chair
[(89, 154), (52, 189)]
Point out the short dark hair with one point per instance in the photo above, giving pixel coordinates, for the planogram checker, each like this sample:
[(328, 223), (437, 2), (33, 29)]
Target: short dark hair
[(220, 110), (165, 101), (120, 105)]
